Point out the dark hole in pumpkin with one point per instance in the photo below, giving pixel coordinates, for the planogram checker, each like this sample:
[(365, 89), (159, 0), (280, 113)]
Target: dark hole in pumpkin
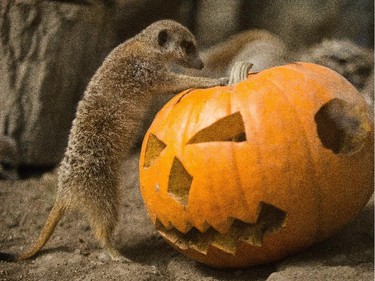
[(179, 182), (270, 220), (153, 149), (230, 128), (342, 127)]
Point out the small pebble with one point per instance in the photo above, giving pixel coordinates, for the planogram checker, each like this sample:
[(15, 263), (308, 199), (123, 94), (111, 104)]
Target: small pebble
[(103, 257)]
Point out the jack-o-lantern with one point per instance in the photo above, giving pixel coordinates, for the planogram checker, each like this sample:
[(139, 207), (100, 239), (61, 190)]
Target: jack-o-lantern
[(249, 173)]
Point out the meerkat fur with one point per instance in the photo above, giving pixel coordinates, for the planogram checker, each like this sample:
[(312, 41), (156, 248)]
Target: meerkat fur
[(108, 120)]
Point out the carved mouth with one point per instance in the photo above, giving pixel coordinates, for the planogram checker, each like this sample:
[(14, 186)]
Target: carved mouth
[(270, 220)]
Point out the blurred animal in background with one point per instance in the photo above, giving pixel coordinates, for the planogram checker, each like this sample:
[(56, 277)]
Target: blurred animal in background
[(8, 158), (353, 62), (260, 47), (265, 49), (368, 91)]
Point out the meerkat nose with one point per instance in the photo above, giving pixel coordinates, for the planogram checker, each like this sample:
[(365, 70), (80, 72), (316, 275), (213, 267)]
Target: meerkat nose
[(197, 64)]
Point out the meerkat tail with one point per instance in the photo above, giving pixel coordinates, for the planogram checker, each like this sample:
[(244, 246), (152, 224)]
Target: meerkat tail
[(54, 217)]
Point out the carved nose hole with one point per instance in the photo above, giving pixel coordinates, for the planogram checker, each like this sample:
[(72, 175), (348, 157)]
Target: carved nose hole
[(342, 127), (153, 149), (230, 128), (179, 182)]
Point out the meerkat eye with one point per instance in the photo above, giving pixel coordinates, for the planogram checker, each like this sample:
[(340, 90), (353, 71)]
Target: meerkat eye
[(189, 47), (163, 38)]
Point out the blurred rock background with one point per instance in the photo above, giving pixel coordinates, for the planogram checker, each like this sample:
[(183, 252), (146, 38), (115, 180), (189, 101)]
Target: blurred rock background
[(49, 49)]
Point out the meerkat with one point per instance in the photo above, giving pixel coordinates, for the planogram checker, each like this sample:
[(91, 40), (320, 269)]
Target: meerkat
[(354, 62), (107, 122), (260, 47)]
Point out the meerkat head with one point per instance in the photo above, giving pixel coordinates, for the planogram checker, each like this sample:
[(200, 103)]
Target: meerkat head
[(174, 42)]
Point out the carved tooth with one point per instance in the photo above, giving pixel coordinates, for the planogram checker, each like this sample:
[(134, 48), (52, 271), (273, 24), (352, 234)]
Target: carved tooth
[(226, 243), (205, 226), (160, 225), (186, 228), (229, 224), (253, 236)]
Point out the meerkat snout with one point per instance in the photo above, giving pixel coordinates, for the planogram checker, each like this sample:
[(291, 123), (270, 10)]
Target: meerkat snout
[(190, 54)]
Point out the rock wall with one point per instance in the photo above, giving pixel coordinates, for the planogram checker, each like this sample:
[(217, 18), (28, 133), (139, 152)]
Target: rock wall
[(46, 62)]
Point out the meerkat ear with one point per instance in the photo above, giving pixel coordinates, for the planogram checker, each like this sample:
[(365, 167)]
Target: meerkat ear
[(163, 37)]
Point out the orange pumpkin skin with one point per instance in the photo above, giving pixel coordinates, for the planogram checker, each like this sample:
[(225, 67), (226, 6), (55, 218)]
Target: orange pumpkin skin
[(279, 164)]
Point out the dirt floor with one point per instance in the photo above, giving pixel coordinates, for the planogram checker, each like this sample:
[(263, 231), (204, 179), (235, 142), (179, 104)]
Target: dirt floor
[(73, 253)]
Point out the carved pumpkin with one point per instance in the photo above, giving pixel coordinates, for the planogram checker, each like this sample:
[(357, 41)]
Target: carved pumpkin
[(246, 174)]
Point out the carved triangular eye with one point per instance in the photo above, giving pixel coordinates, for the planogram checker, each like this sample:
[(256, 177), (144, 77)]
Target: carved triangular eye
[(230, 128), (154, 147)]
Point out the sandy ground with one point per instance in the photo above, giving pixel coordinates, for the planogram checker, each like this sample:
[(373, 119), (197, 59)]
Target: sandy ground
[(73, 253)]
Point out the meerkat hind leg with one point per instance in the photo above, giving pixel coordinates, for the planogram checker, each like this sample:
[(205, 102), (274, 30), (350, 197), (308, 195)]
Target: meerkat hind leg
[(103, 228), (114, 253), (103, 235)]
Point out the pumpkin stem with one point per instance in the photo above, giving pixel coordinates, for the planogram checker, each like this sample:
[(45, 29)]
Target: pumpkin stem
[(239, 72)]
